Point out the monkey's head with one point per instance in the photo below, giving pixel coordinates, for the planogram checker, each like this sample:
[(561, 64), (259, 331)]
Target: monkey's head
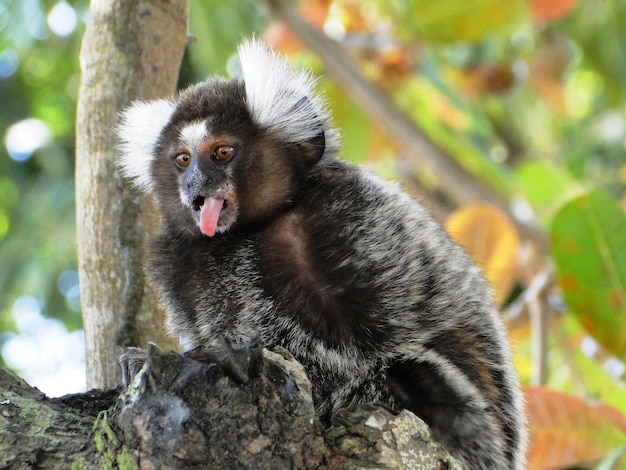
[(228, 153)]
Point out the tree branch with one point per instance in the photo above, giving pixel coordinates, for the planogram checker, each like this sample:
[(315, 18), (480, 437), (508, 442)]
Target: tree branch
[(248, 408)]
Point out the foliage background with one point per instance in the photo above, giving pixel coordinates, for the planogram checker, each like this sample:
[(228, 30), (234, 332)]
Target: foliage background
[(528, 96)]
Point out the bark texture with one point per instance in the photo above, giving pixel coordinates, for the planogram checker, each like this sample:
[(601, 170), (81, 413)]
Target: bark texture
[(232, 409), (132, 49), (36, 432)]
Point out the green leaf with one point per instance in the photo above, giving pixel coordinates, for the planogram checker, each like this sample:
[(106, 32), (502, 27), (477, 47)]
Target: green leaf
[(545, 185), (219, 27), (452, 20), (588, 237), (447, 118), (357, 131)]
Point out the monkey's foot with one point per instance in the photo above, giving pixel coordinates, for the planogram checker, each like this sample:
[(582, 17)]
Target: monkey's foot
[(237, 363)]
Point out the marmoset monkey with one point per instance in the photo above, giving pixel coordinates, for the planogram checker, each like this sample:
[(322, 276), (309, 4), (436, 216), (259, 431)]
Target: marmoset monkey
[(266, 233)]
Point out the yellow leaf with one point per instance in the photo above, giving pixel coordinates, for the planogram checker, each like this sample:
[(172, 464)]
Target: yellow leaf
[(520, 337), (491, 239)]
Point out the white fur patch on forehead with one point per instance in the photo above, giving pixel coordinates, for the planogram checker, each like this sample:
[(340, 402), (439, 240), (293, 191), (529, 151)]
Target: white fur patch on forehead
[(139, 130), (279, 98), (192, 135)]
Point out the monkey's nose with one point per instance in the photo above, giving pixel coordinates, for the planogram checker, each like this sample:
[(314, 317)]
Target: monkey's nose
[(200, 180), (207, 182)]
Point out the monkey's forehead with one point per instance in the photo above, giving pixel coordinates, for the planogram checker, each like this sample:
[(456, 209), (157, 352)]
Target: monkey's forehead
[(215, 100)]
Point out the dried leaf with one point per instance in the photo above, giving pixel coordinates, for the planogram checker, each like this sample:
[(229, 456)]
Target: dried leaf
[(567, 431)]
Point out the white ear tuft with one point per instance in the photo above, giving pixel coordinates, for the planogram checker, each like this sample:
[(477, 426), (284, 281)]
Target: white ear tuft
[(279, 98), (139, 129)]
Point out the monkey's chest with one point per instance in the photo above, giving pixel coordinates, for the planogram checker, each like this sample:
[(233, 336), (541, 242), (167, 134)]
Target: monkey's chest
[(311, 279)]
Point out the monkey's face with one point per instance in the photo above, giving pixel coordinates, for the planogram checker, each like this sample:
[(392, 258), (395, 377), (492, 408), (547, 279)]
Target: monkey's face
[(229, 154), (204, 163), (228, 171), (207, 141), (203, 159)]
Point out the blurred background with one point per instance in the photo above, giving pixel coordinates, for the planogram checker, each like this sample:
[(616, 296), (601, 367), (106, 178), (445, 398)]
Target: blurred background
[(528, 97)]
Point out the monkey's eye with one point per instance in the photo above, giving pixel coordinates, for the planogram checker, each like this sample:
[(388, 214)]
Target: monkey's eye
[(223, 152), (183, 160)]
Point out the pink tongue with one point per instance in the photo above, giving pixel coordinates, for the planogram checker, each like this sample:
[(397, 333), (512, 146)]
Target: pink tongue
[(209, 214)]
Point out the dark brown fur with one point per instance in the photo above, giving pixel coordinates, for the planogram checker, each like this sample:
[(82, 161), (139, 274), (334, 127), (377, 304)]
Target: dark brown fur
[(322, 258)]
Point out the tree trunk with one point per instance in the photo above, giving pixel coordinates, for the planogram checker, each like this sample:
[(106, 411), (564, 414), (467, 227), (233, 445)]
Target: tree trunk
[(132, 49)]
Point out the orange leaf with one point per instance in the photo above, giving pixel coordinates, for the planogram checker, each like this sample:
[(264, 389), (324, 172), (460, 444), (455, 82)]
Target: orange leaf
[(492, 241), (281, 39), (566, 431), (394, 63), (551, 10)]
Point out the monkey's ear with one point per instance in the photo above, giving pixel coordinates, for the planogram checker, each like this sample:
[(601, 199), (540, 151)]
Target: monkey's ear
[(280, 99), (312, 150), (138, 131)]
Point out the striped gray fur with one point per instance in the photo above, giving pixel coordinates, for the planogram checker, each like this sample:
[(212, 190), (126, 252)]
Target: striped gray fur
[(321, 257)]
